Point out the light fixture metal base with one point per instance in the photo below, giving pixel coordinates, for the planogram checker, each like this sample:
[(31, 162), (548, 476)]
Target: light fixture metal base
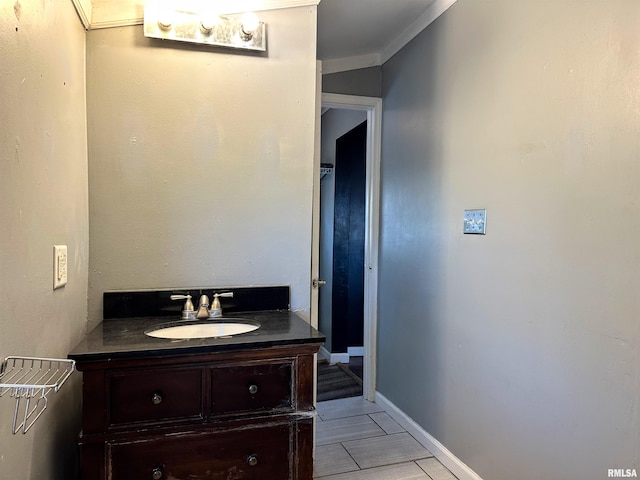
[(224, 31)]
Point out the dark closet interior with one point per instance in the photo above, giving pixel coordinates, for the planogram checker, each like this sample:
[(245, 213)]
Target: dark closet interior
[(348, 240)]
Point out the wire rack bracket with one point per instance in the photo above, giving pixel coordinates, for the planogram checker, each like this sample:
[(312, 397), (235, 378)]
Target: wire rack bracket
[(29, 380)]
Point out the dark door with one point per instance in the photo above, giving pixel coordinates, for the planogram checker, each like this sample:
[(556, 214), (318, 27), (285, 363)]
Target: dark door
[(348, 240)]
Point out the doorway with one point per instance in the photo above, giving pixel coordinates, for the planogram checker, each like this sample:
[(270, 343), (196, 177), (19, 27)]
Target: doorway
[(342, 225), (371, 108)]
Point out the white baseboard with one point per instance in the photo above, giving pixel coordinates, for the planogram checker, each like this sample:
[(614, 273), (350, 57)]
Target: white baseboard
[(448, 459), (355, 351), (323, 353), (333, 357)]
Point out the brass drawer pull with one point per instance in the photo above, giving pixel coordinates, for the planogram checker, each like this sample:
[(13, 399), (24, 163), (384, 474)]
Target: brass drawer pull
[(252, 460), (156, 399), (253, 389)]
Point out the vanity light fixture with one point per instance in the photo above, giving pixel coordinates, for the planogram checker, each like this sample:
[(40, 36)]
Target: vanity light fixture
[(243, 31)]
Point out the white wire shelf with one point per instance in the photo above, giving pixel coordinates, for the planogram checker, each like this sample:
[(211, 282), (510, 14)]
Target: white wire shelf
[(32, 378)]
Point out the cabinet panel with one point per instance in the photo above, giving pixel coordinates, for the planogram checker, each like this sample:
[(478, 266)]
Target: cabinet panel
[(255, 388), (255, 453), (155, 395), (213, 416)]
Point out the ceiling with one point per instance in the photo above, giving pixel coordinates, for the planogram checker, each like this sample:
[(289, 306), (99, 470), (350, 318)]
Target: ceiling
[(362, 33)]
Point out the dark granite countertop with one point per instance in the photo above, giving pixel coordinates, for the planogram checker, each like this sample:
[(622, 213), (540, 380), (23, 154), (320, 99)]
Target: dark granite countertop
[(121, 338)]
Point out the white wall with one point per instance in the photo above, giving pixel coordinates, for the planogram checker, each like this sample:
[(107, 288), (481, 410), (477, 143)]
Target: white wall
[(43, 194), (517, 350), (335, 123), (201, 161)]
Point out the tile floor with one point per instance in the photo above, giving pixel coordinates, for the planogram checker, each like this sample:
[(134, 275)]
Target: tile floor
[(357, 440)]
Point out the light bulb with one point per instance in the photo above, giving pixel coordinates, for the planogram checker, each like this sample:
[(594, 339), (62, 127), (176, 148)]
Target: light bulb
[(208, 23), (165, 19), (250, 23)]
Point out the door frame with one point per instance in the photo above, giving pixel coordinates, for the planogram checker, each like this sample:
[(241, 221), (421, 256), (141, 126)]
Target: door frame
[(373, 107)]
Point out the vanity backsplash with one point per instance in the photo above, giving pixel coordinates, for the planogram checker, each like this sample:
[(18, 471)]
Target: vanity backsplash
[(157, 303)]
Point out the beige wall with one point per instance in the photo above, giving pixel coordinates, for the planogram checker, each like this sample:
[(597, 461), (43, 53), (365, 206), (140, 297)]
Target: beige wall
[(43, 199), (518, 350), (201, 161)]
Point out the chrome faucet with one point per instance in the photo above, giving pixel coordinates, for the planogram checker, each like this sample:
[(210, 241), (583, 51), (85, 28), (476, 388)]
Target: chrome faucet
[(189, 313), (203, 308)]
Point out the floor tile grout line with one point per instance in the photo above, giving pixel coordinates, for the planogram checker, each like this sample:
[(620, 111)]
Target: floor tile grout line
[(374, 420), (345, 416), (395, 435), (453, 477), (351, 456), (379, 466), (425, 472), (343, 473), (355, 416), (387, 464), (382, 432), (354, 439)]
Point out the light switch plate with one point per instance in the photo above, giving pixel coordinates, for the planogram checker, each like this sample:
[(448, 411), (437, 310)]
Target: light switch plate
[(475, 221), (59, 266)]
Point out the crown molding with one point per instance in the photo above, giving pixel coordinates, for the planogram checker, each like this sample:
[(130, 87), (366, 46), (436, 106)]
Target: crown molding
[(95, 14), (423, 21), (276, 4), (337, 65), (83, 9)]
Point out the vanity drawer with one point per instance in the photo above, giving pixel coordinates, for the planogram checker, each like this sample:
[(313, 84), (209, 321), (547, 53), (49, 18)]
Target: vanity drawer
[(258, 453), (252, 388), (155, 395)]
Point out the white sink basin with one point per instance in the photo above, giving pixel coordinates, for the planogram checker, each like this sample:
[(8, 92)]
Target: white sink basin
[(202, 330)]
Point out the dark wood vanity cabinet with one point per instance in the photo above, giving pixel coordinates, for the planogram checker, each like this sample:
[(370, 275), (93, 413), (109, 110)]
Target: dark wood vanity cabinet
[(228, 415)]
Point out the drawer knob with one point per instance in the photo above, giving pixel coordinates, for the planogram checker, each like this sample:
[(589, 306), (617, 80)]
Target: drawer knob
[(156, 399), (156, 474), (252, 460), (253, 389)]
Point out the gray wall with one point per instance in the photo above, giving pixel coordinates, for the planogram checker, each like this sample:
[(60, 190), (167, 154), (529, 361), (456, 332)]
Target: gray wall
[(363, 81), (201, 161), (335, 123), (517, 350), (43, 195)]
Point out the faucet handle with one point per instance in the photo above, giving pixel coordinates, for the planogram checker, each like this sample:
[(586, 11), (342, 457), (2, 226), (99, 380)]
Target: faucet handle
[(226, 294), (216, 309), (188, 310)]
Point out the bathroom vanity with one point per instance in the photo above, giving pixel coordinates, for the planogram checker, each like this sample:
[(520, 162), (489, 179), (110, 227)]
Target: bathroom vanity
[(217, 408)]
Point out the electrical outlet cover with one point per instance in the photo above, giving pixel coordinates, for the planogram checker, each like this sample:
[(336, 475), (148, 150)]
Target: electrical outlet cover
[(475, 221), (59, 266)]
